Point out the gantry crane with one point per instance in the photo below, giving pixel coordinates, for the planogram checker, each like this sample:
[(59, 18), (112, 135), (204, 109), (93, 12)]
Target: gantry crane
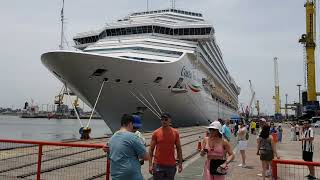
[(308, 40)]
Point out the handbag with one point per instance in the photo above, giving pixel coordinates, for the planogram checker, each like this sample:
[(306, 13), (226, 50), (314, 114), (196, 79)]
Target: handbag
[(247, 136), (215, 168)]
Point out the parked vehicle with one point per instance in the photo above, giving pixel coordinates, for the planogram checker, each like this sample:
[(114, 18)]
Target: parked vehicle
[(315, 119), (317, 124)]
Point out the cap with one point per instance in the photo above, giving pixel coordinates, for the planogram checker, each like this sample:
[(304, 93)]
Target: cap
[(165, 115), (215, 125), (263, 120), (136, 121)]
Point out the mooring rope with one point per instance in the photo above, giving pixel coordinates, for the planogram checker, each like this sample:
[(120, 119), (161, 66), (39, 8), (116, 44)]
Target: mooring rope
[(95, 104), (74, 108)]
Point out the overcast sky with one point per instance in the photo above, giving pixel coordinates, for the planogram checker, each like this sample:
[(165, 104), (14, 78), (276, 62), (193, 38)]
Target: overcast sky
[(249, 32)]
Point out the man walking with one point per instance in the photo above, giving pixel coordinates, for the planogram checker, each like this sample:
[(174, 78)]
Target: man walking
[(226, 132), (164, 139), (125, 150), (307, 147)]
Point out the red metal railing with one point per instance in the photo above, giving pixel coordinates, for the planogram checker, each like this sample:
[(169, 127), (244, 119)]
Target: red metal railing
[(19, 159), (293, 169)]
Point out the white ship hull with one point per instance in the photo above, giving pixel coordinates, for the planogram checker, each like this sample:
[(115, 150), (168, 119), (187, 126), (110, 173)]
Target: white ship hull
[(188, 108)]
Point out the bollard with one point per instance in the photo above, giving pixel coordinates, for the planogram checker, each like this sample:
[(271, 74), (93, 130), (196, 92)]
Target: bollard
[(86, 133)]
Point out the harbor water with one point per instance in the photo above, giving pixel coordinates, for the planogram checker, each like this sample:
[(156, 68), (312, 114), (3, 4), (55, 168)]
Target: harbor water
[(42, 129)]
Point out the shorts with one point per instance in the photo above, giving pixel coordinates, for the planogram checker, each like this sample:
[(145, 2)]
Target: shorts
[(266, 155), (161, 172), (307, 156), (297, 133), (243, 145)]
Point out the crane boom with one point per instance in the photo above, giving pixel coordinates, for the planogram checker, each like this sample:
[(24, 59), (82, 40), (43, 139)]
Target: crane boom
[(252, 94), (253, 99)]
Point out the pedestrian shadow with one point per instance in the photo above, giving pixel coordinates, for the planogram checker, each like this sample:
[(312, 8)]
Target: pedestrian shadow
[(249, 167)]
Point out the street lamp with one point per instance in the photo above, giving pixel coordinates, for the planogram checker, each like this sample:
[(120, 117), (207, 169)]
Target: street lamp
[(299, 109), (286, 106)]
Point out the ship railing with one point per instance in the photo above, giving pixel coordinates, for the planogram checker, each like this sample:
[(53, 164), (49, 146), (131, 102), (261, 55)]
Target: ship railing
[(52, 160)]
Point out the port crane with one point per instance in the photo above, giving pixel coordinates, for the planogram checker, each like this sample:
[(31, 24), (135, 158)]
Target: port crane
[(308, 41), (276, 96), (253, 100)]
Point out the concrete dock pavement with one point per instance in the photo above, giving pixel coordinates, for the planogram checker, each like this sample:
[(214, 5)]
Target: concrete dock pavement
[(289, 150)]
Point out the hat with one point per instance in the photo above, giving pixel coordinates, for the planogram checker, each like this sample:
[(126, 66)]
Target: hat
[(136, 121), (215, 125), (263, 119), (165, 115)]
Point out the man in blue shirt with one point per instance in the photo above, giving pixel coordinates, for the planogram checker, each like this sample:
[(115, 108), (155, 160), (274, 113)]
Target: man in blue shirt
[(226, 130), (125, 150)]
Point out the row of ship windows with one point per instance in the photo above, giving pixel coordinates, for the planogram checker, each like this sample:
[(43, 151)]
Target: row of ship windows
[(208, 90), (144, 30), (168, 10), (138, 49), (223, 102), (144, 59)]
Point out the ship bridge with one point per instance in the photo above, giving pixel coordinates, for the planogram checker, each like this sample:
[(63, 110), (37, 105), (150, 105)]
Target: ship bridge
[(171, 23)]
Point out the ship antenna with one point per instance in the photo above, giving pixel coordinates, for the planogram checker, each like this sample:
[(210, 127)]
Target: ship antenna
[(147, 5), (62, 24), (173, 5)]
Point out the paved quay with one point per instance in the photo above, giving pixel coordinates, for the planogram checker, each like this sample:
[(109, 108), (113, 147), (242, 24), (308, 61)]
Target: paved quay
[(289, 150)]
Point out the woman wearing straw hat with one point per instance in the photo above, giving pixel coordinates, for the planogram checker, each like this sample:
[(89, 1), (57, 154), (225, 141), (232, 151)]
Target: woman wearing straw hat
[(214, 146)]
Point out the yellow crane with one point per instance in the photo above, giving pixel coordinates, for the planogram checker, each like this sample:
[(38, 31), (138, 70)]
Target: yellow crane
[(276, 96), (308, 40)]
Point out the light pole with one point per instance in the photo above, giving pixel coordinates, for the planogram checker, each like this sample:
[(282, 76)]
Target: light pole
[(299, 109), (286, 106)]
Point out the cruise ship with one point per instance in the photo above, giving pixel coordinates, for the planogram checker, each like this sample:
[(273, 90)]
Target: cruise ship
[(148, 63)]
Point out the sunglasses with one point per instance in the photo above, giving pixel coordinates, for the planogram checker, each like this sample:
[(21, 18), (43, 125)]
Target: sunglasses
[(164, 119)]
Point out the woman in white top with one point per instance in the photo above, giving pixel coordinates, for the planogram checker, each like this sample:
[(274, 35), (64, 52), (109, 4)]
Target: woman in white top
[(242, 132)]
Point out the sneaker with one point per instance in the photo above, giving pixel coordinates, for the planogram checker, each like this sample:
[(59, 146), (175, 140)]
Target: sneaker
[(260, 174), (311, 177), (268, 173), (242, 165)]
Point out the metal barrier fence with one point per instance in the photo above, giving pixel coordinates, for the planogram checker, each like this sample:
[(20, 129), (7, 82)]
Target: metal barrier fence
[(49, 160), (293, 169)]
